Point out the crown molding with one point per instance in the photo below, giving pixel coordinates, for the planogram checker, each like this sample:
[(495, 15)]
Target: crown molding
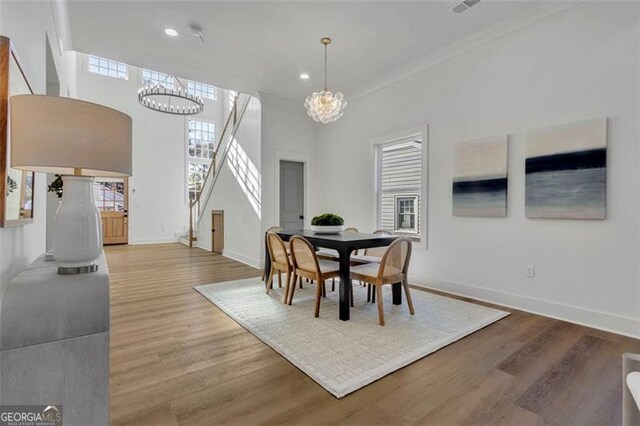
[(529, 16), (270, 99)]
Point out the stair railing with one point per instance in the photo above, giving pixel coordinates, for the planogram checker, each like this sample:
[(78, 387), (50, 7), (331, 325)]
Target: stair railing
[(230, 129)]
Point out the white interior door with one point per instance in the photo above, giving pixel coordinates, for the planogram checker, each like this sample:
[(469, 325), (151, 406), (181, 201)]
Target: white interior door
[(291, 194)]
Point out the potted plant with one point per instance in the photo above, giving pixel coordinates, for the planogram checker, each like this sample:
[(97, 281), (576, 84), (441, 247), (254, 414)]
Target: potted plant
[(56, 186), (327, 223)]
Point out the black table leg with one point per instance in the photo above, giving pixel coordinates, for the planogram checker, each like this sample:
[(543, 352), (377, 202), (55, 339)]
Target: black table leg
[(345, 283), (396, 290)]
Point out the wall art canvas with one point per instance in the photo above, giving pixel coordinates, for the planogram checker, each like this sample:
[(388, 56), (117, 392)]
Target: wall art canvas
[(566, 168), (480, 177)]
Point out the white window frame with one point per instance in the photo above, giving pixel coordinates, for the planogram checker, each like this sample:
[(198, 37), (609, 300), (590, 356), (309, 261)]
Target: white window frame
[(171, 82), (416, 203), (200, 91), (87, 67), (418, 133), (187, 158)]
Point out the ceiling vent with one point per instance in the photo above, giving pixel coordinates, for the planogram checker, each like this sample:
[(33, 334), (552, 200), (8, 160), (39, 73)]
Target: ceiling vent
[(464, 6)]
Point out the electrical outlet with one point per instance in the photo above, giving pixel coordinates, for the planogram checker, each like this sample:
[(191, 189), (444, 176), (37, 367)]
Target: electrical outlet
[(529, 271)]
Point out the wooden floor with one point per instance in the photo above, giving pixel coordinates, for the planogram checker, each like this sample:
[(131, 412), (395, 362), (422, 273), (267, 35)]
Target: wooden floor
[(177, 359)]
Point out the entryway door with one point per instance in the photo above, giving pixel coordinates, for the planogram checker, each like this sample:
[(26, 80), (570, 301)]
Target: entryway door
[(291, 194), (112, 199)]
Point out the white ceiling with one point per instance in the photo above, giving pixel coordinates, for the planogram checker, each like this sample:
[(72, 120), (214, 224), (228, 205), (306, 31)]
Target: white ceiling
[(263, 46)]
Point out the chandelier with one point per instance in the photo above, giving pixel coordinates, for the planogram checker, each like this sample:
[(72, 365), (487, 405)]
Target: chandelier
[(159, 98), (324, 106)]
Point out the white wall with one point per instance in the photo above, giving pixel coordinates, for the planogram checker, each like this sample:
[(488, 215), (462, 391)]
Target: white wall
[(158, 208), (237, 192), (287, 134), (28, 24), (579, 64)]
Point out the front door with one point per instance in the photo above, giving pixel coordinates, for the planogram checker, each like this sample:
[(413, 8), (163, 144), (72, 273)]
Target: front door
[(111, 197), (291, 195)]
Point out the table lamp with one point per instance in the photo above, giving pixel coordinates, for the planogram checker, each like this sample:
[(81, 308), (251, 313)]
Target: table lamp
[(78, 140)]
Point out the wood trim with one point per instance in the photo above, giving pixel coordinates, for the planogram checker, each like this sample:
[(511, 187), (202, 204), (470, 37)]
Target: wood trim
[(7, 51)]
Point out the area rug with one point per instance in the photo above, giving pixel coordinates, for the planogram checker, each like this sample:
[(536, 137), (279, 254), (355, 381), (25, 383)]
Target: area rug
[(343, 356)]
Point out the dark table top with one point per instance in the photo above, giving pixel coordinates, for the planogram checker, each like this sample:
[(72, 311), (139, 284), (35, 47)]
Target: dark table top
[(353, 240)]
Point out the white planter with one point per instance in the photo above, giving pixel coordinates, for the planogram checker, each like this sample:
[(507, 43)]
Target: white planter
[(327, 229)]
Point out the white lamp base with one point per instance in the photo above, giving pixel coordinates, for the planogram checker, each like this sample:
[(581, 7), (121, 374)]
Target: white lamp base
[(77, 230), (72, 270)]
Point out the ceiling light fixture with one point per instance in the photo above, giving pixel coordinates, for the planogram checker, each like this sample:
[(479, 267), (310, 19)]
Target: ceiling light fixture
[(170, 101), (304, 76), (196, 31), (324, 106), (170, 32)]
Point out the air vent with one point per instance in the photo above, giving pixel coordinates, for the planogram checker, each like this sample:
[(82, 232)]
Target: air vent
[(464, 6)]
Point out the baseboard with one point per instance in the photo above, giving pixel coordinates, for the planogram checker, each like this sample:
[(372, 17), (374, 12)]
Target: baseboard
[(595, 319), (255, 263), (152, 241)]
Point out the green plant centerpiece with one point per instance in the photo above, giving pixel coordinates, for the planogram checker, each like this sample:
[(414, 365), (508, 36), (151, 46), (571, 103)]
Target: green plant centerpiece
[(327, 223)]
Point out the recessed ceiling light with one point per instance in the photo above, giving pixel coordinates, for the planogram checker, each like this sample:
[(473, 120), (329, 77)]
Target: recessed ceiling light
[(304, 76), (170, 32)]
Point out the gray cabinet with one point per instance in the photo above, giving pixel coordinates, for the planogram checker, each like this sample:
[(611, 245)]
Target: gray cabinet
[(54, 341)]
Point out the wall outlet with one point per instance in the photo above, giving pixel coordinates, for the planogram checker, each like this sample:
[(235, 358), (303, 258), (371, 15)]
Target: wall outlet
[(529, 271)]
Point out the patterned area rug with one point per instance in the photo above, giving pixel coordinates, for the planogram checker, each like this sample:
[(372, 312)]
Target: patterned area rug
[(343, 356)]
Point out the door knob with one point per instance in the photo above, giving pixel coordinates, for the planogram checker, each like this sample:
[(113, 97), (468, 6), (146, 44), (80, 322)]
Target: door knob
[(301, 217)]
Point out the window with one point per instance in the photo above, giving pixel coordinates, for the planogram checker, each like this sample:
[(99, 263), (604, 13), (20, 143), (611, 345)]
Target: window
[(107, 67), (197, 173), (232, 97), (399, 186), (201, 138), (205, 91), (109, 194), (152, 78), (405, 214)]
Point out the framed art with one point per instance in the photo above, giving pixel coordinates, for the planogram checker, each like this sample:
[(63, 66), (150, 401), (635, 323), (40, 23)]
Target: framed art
[(16, 186), (480, 178), (566, 171)]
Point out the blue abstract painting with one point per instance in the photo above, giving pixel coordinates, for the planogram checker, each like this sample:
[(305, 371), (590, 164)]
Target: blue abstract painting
[(480, 177), (566, 170)]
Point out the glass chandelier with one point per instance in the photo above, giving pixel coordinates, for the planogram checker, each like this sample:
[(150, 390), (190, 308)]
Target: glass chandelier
[(324, 106)]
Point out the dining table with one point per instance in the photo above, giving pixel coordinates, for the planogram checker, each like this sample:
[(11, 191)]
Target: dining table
[(344, 244)]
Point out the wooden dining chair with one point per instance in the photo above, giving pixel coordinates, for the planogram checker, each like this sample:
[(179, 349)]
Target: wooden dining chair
[(330, 254), (280, 262), (270, 229), (372, 254), (306, 264), (393, 269)]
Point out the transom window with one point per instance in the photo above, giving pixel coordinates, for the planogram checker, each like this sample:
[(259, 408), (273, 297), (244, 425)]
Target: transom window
[(108, 67), (399, 185), (205, 91), (151, 78), (201, 138)]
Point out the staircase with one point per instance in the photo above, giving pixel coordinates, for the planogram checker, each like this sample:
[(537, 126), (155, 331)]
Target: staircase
[(196, 206)]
